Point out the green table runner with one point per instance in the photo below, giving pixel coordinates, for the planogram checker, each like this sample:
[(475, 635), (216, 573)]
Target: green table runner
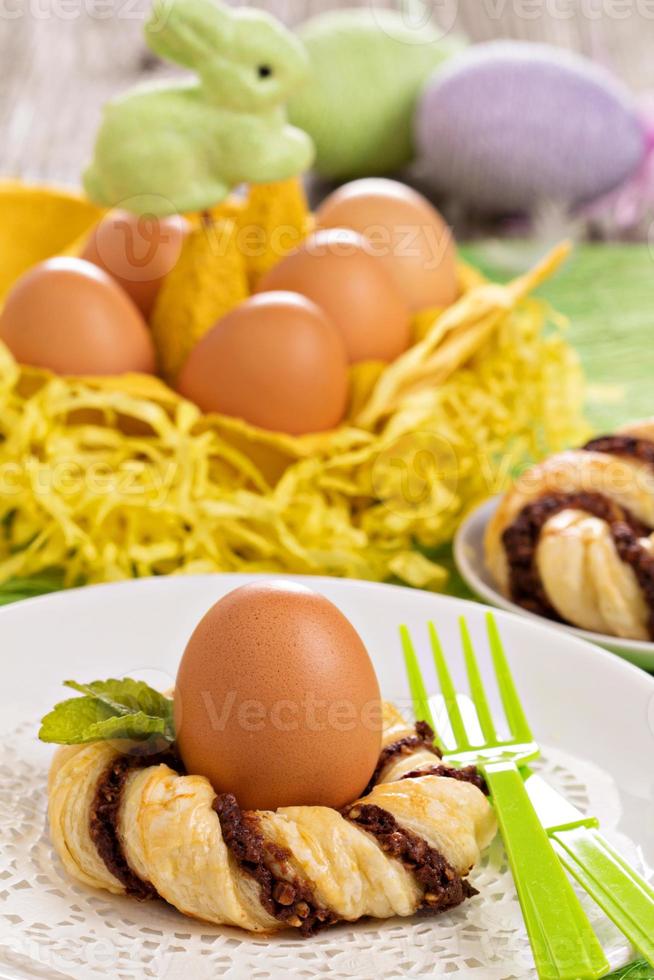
[(607, 292)]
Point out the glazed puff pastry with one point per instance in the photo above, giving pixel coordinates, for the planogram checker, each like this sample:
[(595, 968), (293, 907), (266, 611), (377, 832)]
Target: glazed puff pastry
[(130, 827), (572, 540)]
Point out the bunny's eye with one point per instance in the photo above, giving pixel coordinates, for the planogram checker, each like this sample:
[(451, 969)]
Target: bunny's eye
[(264, 71)]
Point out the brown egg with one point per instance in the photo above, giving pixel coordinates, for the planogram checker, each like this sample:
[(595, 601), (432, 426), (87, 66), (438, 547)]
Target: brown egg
[(277, 701), (72, 318), (276, 361), (332, 268), (405, 232), (138, 251)]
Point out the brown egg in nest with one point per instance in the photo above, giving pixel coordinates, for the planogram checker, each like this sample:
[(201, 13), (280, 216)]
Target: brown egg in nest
[(277, 700), (334, 269), (406, 233), (138, 251), (276, 361), (68, 316)]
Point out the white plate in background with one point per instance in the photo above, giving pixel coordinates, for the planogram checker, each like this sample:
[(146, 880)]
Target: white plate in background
[(469, 557)]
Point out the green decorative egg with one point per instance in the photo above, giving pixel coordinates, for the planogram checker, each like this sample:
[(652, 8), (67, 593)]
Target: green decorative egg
[(368, 68)]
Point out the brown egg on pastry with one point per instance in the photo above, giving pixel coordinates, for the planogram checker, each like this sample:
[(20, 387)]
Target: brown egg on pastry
[(277, 700), (280, 792)]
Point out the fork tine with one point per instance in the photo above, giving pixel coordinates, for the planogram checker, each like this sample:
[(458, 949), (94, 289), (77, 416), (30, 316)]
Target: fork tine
[(515, 715), (477, 690), (421, 708), (448, 691)]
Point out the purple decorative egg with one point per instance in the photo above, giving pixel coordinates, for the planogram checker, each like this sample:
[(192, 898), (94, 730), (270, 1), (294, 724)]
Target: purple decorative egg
[(509, 125)]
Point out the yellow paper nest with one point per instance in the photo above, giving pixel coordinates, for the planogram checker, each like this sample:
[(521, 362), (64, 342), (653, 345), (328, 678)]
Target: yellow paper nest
[(113, 478)]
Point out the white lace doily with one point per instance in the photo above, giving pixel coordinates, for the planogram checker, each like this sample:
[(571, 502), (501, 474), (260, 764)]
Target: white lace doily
[(51, 927)]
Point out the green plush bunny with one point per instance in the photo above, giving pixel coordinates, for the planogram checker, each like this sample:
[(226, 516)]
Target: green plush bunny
[(183, 146)]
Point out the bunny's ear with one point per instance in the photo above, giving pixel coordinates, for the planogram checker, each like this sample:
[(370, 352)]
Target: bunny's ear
[(188, 31)]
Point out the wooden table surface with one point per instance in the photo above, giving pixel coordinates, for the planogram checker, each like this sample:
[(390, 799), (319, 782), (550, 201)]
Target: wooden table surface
[(61, 59)]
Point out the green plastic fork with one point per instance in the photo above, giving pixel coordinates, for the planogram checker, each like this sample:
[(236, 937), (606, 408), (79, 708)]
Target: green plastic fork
[(563, 943)]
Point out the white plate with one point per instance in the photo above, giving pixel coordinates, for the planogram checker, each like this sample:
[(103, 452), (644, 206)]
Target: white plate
[(469, 557), (594, 713)]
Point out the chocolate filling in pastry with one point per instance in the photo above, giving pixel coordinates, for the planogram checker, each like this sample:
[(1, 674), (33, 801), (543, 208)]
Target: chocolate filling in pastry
[(623, 445), (288, 899), (520, 540), (444, 887), (103, 820), (467, 774), (423, 739)]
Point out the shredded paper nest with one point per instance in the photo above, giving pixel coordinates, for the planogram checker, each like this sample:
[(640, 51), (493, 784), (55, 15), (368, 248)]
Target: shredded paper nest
[(112, 478)]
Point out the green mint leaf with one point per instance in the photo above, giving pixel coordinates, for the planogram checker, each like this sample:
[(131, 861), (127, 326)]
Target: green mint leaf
[(109, 709), (136, 726), (69, 721), (91, 691), (129, 696)]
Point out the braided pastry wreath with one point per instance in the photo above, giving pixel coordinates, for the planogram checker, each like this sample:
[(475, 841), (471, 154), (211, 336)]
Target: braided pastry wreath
[(573, 539), (137, 826)]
